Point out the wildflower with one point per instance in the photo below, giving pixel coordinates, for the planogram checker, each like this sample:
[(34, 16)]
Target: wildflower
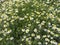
[(39, 43), (46, 39), (23, 30), (1, 38), (27, 30), (38, 36), (21, 18), (32, 34), (44, 36), (31, 18), (35, 30), (27, 39), (11, 38), (29, 24), (9, 31)]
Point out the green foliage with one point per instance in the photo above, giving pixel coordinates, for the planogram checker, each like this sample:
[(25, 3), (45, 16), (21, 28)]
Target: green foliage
[(29, 22)]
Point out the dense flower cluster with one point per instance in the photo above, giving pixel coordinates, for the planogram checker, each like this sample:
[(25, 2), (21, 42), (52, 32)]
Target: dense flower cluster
[(29, 22)]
